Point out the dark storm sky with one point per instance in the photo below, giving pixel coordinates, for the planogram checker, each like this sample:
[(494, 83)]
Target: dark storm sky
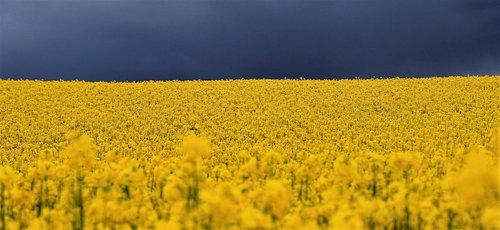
[(207, 39)]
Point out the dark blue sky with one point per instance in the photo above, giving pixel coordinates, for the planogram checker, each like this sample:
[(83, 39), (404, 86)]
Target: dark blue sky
[(208, 39)]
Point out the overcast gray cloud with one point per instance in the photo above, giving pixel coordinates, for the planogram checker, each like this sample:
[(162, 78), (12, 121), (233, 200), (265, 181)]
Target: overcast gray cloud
[(186, 39)]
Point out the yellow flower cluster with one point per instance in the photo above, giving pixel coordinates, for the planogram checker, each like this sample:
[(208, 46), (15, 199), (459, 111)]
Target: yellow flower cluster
[(251, 154)]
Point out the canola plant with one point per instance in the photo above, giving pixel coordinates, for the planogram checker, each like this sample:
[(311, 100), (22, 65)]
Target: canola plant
[(251, 154)]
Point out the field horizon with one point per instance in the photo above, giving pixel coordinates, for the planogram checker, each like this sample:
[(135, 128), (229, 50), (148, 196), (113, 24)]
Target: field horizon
[(284, 78)]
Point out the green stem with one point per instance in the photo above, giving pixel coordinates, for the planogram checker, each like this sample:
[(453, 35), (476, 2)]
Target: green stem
[(79, 201), (2, 205)]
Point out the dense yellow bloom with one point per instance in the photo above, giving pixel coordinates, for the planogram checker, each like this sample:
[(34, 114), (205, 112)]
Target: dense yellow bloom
[(195, 147), (275, 198), (252, 218), (80, 153), (251, 154), (478, 182)]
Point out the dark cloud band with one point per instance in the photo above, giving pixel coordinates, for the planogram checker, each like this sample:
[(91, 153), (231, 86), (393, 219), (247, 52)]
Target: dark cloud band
[(189, 39)]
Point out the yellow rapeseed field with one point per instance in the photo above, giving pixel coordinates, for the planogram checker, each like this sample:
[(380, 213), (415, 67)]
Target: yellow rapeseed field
[(251, 154)]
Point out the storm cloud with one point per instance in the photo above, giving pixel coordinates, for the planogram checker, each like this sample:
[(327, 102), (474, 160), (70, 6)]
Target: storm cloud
[(211, 39)]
